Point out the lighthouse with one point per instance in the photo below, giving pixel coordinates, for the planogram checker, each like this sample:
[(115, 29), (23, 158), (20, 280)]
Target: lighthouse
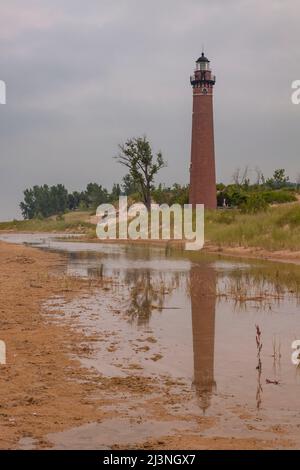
[(202, 168)]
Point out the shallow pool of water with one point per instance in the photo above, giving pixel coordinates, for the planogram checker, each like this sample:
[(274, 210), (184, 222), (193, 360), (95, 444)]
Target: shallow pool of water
[(193, 318)]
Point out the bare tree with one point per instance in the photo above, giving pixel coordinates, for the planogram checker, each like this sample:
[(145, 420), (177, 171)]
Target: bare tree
[(236, 176), (245, 179), (298, 180), (260, 179)]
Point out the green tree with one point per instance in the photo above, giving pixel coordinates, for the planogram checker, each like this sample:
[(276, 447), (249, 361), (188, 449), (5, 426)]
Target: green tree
[(43, 201), (177, 194), (136, 154), (129, 186), (58, 199), (279, 179), (115, 193), (96, 195), (74, 200), (28, 205)]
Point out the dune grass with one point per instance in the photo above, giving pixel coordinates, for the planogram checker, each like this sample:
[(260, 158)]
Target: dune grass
[(47, 225), (277, 228)]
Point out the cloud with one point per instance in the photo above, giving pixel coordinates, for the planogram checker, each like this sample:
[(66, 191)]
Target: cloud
[(83, 76)]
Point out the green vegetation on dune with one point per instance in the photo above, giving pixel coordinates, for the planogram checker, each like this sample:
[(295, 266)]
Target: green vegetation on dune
[(48, 225), (276, 228)]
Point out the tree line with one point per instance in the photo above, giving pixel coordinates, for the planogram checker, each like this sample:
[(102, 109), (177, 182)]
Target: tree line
[(142, 167), (44, 201)]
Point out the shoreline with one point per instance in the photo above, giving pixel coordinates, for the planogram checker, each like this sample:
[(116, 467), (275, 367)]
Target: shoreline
[(253, 253), (284, 256)]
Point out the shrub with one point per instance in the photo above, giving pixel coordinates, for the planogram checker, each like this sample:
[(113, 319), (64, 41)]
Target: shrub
[(254, 203), (280, 197), (234, 196)]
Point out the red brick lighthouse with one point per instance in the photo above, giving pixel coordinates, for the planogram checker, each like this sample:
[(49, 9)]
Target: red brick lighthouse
[(202, 169)]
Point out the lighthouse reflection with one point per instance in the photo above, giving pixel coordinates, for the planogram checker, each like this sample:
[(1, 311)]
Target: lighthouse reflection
[(150, 291), (203, 308)]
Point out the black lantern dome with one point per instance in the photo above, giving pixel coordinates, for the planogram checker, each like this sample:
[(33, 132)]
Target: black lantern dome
[(202, 59)]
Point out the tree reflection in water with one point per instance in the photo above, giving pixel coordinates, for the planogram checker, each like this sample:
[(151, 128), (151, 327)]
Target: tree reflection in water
[(148, 292)]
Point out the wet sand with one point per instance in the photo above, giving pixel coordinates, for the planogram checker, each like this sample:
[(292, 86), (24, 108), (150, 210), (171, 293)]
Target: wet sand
[(283, 256), (46, 394), (39, 387)]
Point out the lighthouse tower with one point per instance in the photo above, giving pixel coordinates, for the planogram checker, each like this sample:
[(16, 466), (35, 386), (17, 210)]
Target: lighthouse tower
[(202, 169)]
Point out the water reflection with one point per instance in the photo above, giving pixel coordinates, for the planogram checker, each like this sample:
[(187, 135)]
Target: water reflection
[(172, 297), (148, 292), (143, 295), (203, 308), (95, 272)]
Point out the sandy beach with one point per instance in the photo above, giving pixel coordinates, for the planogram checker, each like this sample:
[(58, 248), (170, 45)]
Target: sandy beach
[(45, 389)]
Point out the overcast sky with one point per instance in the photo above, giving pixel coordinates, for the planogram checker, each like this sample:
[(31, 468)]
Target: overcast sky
[(84, 75)]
